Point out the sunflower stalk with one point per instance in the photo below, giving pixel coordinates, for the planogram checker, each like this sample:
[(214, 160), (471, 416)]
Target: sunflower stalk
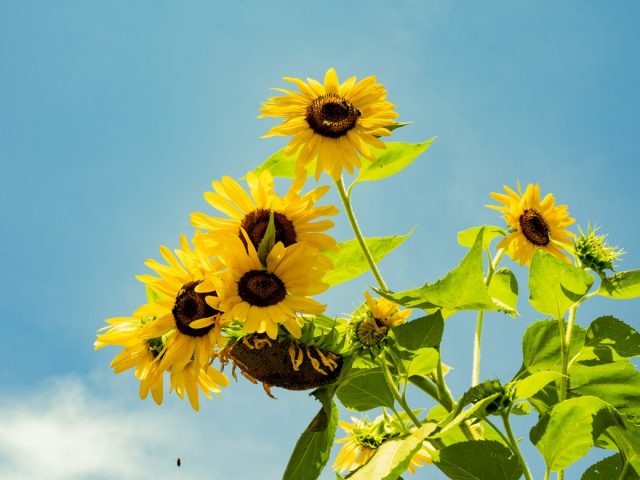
[(346, 201), (396, 394)]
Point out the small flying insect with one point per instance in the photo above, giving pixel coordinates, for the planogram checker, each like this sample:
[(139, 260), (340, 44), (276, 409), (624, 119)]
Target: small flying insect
[(178, 462)]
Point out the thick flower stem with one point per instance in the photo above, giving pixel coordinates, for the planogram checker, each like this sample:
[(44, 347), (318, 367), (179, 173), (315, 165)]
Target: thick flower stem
[(566, 346), (514, 446), (344, 196), (396, 394), (475, 374)]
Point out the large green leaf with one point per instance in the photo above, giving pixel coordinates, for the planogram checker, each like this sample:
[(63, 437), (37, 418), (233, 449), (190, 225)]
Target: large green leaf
[(555, 285), (621, 286), (608, 469), (625, 437), (467, 237), (479, 460), (617, 383), (569, 431), (611, 333), (461, 289), (503, 289), (392, 458), (350, 262), (312, 450), (421, 332), (364, 390), (422, 362), (393, 159), (541, 346)]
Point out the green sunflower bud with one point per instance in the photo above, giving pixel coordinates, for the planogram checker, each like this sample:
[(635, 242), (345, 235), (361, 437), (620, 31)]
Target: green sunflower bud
[(594, 252)]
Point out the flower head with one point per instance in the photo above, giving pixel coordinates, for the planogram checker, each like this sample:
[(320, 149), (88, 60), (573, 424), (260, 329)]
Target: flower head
[(263, 297), (295, 215), (335, 122), (594, 252), (365, 437), (534, 223), (372, 322)]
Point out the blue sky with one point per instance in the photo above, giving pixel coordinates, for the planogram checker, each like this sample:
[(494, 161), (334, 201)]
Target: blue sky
[(116, 116)]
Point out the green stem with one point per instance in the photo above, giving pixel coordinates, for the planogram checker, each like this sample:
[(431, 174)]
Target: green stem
[(445, 393), (346, 201), (475, 374), (514, 445), (566, 345), (396, 394)]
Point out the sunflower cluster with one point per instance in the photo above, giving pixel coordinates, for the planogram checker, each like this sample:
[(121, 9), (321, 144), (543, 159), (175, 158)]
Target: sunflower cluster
[(254, 270)]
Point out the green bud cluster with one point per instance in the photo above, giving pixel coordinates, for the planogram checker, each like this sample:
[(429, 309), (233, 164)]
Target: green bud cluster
[(594, 252)]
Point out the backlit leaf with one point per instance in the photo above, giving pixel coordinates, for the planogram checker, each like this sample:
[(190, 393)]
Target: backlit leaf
[(364, 390), (421, 332), (479, 460), (467, 237), (503, 289), (621, 286)]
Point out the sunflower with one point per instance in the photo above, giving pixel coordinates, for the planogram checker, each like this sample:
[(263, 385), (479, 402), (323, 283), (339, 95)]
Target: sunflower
[(138, 353), (188, 327), (193, 376), (293, 215), (365, 437), (534, 224), (262, 298), (335, 123), (372, 325)]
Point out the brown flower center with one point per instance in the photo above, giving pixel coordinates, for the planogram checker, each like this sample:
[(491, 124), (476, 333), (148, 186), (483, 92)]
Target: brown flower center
[(535, 227), (331, 115), (190, 306), (260, 288), (256, 223)]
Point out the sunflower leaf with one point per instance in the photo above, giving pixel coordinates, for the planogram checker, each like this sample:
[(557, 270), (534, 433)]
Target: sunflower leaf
[(364, 390), (479, 460), (391, 160), (312, 450), (463, 288), (529, 386), (392, 458), (621, 286), (350, 262), (504, 291), (284, 166), (609, 333), (606, 469), (467, 237), (555, 285), (541, 346), (421, 332)]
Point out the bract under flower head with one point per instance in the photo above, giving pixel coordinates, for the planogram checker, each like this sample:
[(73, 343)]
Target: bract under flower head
[(534, 223), (294, 214), (334, 123)]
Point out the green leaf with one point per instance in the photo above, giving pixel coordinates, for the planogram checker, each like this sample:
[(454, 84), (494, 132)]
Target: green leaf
[(268, 240), (312, 450), (350, 262), (555, 285), (421, 332), (364, 390), (478, 410), (423, 362), (532, 384), (617, 383), (392, 458), (503, 289), (621, 286), (467, 237), (541, 346), (152, 295), (608, 469), (281, 165), (626, 438), (569, 431), (395, 158), (479, 460), (609, 332), (461, 289)]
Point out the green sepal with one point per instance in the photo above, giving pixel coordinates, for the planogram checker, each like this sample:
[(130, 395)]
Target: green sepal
[(152, 295), (311, 453), (555, 285), (349, 262), (268, 240)]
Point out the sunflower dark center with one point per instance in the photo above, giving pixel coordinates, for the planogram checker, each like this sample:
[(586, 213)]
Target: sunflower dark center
[(256, 223), (260, 288), (189, 306), (535, 227), (331, 115)]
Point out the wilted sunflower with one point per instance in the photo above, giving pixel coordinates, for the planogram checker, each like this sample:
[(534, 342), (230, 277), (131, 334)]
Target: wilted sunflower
[(138, 353), (189, 327), (372, 324), (335, 123), (365, 437), (263, 298), (534, 223), (192, 377), (293, 215)]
